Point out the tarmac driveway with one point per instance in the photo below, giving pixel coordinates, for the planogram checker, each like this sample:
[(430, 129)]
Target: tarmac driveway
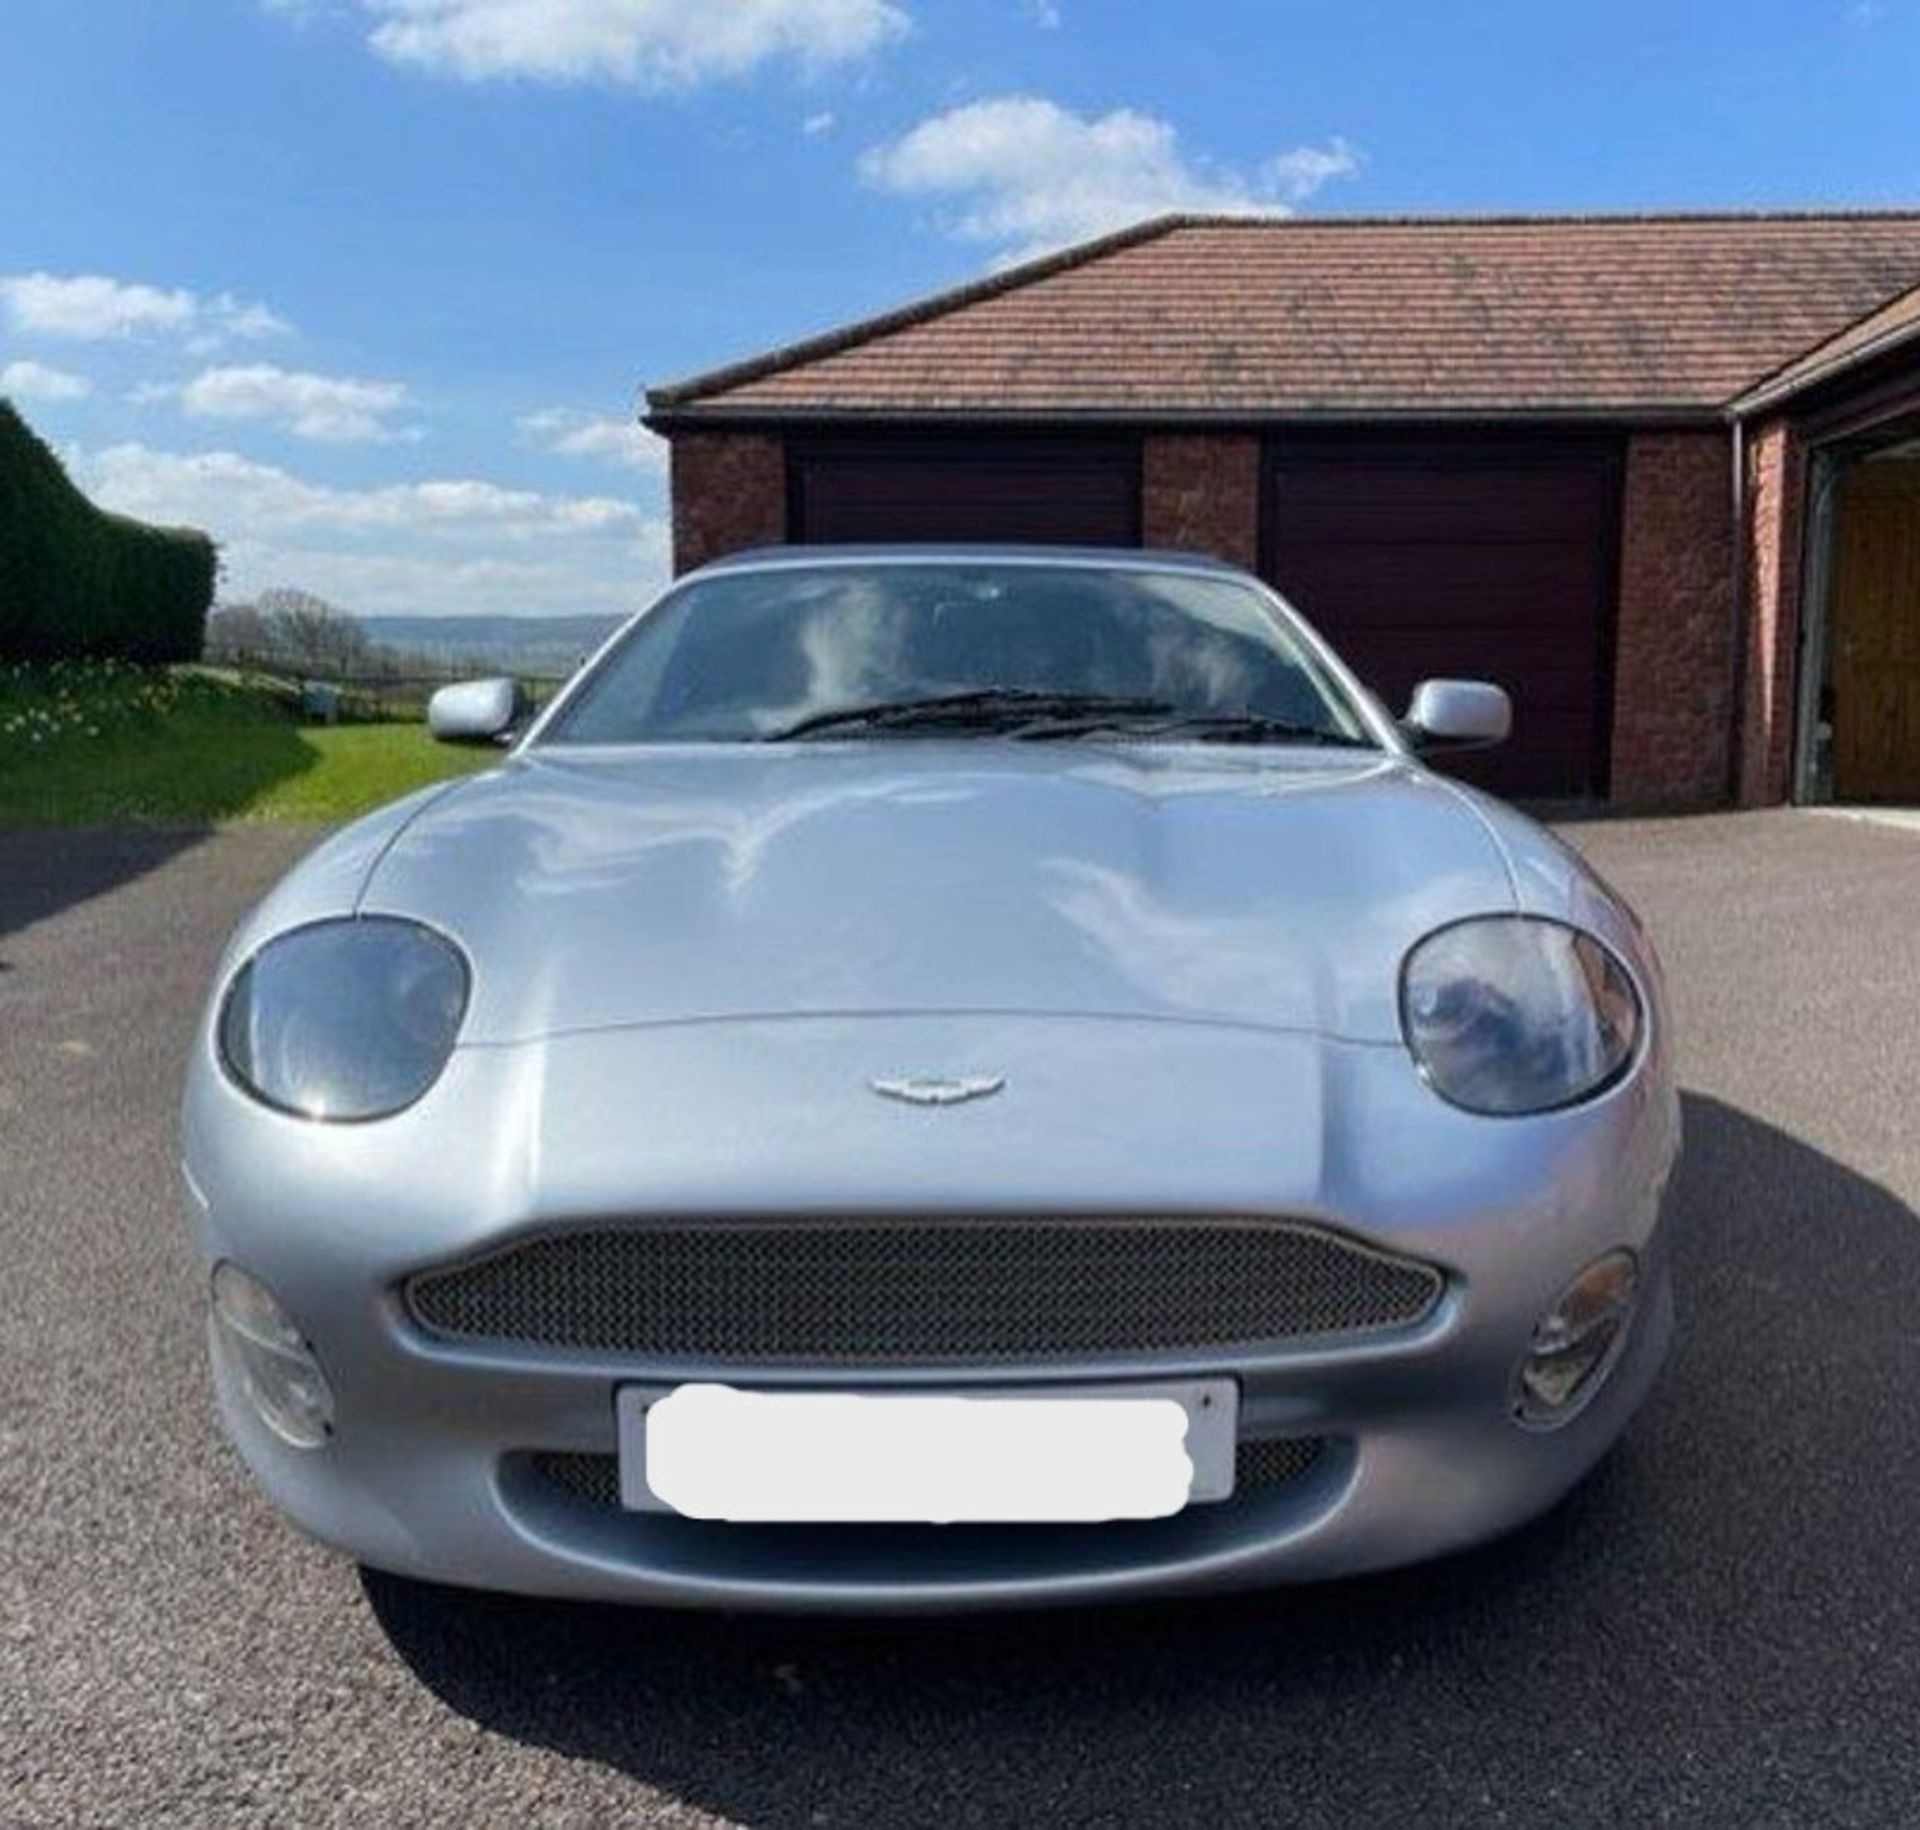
[(1724, 1624)]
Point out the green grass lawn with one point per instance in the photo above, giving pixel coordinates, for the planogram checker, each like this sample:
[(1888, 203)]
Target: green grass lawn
[(101, 742)]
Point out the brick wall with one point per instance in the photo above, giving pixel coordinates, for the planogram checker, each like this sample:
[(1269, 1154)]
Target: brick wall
[(1776, 483), (729, 491), (1201, 492), (1673, 664)]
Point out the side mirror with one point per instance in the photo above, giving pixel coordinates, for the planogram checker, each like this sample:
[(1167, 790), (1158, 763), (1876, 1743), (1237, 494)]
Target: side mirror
[(474, 711), (1458, 715)]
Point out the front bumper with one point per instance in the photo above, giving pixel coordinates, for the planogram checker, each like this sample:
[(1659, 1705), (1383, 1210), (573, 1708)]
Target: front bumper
[(441, 1462)]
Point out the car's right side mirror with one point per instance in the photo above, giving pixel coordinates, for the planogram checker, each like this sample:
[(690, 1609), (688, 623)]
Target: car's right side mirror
[(1458, 715)]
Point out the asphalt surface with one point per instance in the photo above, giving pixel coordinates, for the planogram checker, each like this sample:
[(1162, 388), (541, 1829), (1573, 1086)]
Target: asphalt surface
[(1722, 1626)]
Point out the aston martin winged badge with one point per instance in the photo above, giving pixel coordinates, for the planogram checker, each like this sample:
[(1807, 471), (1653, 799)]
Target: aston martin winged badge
[(939, 1089)]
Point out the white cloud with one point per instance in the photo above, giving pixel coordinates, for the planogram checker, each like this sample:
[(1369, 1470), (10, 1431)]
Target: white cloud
[(91, 308), (333, 409), (1046, 14), (1028, 175), (818, 123), (613, 582), (1296, 175), (643, 44), (35, 381), (225, 316), (174, 486), (568, 433), (435, 546)]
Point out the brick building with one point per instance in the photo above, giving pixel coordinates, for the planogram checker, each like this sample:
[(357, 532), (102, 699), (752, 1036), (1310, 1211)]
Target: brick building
[(1659, 476)]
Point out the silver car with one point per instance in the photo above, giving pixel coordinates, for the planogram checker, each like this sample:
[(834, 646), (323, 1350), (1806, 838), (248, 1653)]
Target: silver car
[(935, 1078)]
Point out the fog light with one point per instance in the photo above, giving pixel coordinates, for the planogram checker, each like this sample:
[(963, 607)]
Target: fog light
[(270, 1359), (1574, 1345)]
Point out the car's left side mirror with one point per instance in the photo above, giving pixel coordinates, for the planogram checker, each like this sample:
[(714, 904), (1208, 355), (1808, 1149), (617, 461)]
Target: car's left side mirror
[(474, 711), (1458, 715)]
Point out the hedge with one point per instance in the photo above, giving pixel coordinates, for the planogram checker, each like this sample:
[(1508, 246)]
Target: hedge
[(75, 580)]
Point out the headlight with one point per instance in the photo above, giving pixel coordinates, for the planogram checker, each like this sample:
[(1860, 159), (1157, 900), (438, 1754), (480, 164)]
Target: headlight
[(348, 1019), (1510, 1014)]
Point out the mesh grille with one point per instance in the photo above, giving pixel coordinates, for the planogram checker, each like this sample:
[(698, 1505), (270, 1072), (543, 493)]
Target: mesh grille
[(593, 1478), (918, 1292), (1275, 1462), (1257, 1466)]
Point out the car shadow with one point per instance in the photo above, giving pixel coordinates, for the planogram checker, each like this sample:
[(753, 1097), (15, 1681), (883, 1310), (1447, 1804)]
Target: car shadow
[(1686, 1632), (109, 814), (47, 869)]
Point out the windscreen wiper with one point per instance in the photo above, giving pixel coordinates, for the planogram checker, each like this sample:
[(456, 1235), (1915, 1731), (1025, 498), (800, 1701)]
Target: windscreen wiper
[(1204, 727), (986, 708)]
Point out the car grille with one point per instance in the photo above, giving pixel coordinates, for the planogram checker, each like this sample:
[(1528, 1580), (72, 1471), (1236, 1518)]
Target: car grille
[(922, 1292), (1258, 1467)]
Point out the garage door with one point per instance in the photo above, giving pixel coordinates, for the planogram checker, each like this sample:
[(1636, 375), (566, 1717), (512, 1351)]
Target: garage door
[(1479, 561), (1080, 491)]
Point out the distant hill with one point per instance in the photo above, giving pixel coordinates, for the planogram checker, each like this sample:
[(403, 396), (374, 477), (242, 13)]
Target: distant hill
[(531, 644)]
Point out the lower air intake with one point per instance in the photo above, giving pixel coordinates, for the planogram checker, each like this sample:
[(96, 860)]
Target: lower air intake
[(1258, 1467)]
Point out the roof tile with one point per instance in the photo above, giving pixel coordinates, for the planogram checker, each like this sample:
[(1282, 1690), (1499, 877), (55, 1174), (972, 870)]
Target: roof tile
[(1269, 317), (1890, 326)]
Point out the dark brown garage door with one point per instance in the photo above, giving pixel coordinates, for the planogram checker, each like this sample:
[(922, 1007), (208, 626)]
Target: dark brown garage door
[(1080, 491), (1478, 561)]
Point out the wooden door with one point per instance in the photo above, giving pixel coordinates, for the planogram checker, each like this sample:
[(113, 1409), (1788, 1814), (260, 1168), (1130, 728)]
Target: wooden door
[(1876, 632)]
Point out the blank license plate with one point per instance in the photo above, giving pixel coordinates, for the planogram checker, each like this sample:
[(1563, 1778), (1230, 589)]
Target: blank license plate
[(1040, 1453)]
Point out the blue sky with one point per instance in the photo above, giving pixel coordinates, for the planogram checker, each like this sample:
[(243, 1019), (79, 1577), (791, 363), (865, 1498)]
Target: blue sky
[(366, 287)]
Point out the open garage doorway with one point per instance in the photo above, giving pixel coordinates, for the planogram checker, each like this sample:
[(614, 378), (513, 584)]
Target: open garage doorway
[(1860, 707)]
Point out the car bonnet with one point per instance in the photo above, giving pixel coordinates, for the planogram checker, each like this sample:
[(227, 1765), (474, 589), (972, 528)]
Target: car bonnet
[(1199, 883)]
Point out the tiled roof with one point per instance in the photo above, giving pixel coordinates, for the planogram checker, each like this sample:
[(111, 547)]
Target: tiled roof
[(1221, 316), (1895, 323)]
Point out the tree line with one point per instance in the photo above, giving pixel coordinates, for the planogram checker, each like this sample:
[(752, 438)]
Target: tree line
[(289, 631)]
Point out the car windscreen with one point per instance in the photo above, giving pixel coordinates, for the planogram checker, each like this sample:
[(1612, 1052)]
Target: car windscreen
[(744, 656)]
